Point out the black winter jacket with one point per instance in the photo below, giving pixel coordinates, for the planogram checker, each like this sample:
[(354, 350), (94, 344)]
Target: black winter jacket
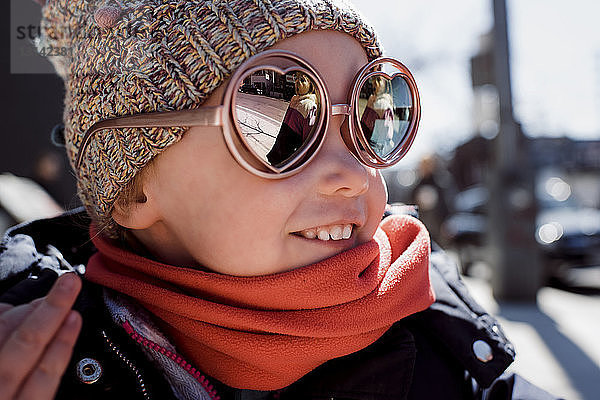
[(452, 350)]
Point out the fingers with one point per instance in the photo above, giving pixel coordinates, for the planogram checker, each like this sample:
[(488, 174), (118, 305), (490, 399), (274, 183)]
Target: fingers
[(44, 381), (12, 317), (5, 307), (24, 346)]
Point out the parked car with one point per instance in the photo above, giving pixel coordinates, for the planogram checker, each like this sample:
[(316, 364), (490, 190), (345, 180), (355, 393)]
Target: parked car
[(567, 232), (465, 229), (250, 89)]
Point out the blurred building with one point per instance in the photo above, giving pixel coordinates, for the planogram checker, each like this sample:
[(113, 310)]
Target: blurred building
[(470, 163), (576, 161), (32, 105)]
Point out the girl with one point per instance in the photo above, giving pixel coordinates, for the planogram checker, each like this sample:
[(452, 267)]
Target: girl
[(208, 271)]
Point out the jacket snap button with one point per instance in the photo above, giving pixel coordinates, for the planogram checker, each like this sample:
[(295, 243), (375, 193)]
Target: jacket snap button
[(482, 351), (89, 370)]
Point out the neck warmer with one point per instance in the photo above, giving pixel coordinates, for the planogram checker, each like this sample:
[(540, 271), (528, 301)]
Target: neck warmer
[(266, 332)]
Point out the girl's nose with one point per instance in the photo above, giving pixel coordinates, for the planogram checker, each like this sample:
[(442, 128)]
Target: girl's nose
[(338, 171)]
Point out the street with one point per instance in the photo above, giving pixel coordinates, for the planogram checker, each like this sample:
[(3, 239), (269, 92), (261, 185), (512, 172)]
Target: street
[(260, 119), (556, 339)]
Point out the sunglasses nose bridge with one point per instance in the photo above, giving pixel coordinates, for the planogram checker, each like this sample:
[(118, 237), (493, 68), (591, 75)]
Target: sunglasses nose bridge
[(344, 128)]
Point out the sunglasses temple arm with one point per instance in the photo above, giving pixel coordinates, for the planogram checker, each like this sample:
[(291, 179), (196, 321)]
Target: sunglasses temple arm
[(205, 116)]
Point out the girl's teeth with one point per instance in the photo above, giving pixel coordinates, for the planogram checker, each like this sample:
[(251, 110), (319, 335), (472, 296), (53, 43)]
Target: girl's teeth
[(335, 232), (309, 234), (347, 232), (323, 234)]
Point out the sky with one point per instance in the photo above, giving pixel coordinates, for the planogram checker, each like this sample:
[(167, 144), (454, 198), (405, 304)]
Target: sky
[(555, 63)]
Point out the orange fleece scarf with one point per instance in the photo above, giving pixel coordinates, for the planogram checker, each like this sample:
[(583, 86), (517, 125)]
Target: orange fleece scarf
[(266, 332)]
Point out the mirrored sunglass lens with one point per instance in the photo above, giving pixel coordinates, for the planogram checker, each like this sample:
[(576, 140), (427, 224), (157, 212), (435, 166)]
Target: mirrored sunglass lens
[(277, 114), (385, 109)]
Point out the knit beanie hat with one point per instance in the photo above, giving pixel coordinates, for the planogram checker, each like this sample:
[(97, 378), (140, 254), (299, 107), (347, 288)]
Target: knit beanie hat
[(124, 57)]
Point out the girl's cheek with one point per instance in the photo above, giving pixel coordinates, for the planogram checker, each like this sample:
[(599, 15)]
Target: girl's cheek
[(377, 197), (380, 188), (383, 194)]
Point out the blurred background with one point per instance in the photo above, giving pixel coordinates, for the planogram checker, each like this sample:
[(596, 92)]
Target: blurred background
[(505, 169)]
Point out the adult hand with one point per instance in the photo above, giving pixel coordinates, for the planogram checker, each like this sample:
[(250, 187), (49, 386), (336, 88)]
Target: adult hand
[(36, 341)]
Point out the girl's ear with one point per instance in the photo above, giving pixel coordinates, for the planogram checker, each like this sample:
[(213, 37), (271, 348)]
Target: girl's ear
[(138, 213)]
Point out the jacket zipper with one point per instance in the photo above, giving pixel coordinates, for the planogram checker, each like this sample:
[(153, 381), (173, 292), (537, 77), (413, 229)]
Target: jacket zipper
[(212, 393), (115, 349)]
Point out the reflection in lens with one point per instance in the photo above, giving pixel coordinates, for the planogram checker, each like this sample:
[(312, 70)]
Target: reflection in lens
[(385, 109), (277, 114)]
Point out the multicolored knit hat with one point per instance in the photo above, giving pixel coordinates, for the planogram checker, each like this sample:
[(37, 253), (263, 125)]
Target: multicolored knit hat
[(124, 57)]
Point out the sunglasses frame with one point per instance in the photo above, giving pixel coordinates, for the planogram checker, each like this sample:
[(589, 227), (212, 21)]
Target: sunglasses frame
[(224, 116), (361, 148), (235, 138)]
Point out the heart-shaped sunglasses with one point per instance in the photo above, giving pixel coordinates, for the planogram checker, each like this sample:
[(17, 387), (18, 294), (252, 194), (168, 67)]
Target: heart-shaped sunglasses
[(276, 109)]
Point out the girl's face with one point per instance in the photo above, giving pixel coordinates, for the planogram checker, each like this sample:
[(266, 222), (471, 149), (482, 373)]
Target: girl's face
[(212, 213)]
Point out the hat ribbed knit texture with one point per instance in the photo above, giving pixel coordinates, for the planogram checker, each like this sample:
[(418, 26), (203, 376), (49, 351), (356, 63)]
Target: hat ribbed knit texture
[(140, 56)]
